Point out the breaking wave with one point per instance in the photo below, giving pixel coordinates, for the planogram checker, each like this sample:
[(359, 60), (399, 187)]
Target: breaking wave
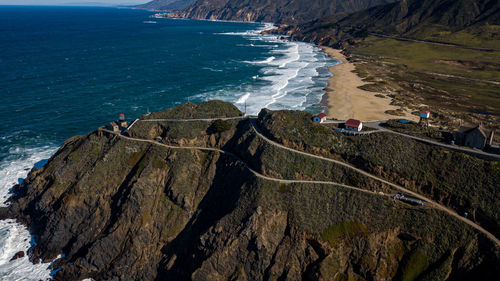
[(292, 76)]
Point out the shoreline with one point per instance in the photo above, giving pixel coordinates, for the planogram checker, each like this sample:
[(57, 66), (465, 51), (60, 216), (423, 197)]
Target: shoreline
[(345, 100)]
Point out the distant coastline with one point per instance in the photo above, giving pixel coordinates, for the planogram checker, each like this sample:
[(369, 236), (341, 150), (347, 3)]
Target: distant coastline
[(343, 99)]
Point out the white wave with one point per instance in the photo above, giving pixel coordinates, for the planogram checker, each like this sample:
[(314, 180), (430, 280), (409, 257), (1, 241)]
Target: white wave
[(212, 69), (18, 164), (290, 78), (242, 99), (15, 237), (266, 61)]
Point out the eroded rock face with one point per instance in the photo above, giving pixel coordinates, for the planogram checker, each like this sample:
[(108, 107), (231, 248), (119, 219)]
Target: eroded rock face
[(122, 209)]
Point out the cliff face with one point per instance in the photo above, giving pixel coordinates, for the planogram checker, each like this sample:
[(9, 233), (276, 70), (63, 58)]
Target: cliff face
[(112, 202), (276, 11)]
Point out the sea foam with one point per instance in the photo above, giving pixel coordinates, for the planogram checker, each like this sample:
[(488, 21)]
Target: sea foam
[(288, 79), (15, 237)]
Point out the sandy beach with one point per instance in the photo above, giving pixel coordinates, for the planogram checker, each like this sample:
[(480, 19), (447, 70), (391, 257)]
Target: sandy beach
[(345, 100)]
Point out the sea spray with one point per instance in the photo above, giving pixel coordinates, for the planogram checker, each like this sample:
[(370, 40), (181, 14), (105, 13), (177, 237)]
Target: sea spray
[(14, 237)]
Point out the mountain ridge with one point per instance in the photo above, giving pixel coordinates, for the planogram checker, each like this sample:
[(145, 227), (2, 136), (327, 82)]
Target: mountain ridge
[(166, 5), (275, 11), (426, 19)]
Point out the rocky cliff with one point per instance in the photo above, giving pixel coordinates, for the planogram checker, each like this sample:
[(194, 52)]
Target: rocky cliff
[(275, 11), (209, 203)]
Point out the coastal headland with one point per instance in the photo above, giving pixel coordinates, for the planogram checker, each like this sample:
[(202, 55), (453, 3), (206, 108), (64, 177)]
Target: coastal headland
[(201, 192)]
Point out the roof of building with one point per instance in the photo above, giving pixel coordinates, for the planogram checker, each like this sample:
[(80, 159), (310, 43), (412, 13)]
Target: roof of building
[(321, 115), (353, 123), (485, 132), (425, 111)]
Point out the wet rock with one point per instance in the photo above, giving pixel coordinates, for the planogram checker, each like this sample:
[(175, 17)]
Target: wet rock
[(18, 255)]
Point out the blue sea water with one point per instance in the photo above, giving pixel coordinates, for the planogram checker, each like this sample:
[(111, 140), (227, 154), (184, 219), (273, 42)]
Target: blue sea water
[(65, 71)]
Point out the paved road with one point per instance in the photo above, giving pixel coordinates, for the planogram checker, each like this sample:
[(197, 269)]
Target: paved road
[(376, 124), (428, 201), (434, 42)]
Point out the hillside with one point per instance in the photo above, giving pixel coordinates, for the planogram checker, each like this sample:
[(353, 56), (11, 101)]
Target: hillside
[(166, 5), (275, 11), (452, 21), (216, 200), (434, 54)]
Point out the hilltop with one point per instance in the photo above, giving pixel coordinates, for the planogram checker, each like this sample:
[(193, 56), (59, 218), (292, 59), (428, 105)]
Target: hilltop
[(214, 195)]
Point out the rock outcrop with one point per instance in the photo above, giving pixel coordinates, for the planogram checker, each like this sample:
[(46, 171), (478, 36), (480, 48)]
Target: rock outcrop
[(131, 208)]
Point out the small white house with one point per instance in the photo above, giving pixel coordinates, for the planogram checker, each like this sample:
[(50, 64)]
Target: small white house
[(353, 125), (320, 118), (425, 114)]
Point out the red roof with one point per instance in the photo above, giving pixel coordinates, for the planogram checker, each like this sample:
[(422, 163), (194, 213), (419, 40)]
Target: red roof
[(425, 111), (353, 123), (321, 115)]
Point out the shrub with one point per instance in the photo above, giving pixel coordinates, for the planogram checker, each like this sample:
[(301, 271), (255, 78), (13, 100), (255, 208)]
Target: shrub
[(219, 126)]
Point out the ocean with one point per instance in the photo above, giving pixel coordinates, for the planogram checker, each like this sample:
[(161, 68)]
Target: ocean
[(65, 71)]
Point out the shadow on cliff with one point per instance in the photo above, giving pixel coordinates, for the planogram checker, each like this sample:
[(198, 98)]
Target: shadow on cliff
[(230, 182)]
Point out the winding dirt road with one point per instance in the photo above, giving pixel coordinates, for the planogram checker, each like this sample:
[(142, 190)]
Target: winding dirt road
[(429, 202)]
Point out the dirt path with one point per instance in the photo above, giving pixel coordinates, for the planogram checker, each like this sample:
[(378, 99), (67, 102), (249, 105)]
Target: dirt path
[(398, 187), (257, 174), (429, 202)]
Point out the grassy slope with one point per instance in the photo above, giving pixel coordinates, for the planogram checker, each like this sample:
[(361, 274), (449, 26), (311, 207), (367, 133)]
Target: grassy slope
[(210, 109), (465, 183), (484, 36), (452, 81)]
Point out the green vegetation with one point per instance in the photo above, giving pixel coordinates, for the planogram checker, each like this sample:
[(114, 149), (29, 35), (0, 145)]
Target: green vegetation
[(413, 266), (485, 36), (414, 129), (210, 109), (159, 164), (296, 126), (425, 57), (452, 81), (343, 230), (465, 183), (219, 126), (135, 157)]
